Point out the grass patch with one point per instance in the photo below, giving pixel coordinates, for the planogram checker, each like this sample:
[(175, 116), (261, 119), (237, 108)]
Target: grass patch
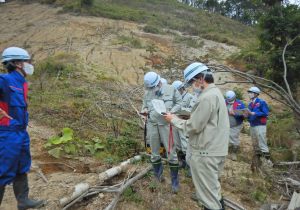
[(129, 41), (189, 41), (131, 195)]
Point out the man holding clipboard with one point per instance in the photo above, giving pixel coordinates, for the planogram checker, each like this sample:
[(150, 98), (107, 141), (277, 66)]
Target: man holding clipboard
[(236, 112)]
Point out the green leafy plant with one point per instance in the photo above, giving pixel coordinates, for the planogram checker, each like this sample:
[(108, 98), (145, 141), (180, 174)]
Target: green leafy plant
[(66, 144), (259, 195)]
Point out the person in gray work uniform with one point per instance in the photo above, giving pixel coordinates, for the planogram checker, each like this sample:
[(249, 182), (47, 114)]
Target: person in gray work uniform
[(186, 106), (159, 130)]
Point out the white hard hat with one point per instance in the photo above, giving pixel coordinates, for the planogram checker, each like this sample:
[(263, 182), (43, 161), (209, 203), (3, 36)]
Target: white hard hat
[(14, 53), (151, 79), (193, 69), (230, 95), (177, 84), (254, 90), (163, 80)]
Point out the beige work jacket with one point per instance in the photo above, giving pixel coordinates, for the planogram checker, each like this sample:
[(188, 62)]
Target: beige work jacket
[(208, 127)]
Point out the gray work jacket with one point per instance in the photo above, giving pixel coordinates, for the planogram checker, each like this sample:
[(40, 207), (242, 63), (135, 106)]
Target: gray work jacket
[(171, 98)]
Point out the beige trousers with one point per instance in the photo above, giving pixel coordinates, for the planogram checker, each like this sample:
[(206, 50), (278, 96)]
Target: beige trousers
[(206, 172)]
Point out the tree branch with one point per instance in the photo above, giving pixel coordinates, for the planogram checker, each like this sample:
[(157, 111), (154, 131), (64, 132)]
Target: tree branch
[(285, 67)]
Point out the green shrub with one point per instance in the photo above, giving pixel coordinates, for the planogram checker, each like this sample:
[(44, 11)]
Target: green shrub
[(151, 29), (86, 3), (239, 93), (259, 195), (131, 195)]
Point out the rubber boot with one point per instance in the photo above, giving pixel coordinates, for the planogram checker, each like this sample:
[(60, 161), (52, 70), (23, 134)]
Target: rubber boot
[(188, 171), (181, 159), (267, 156), (222, 203), (2, 190), (234, 150), (158, 170), (174, 177), (21, 190)]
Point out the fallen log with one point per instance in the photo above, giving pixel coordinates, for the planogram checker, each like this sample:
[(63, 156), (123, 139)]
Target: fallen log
[(295, 201), (114, 202), (233, 205), (287, 163), (83, 188)]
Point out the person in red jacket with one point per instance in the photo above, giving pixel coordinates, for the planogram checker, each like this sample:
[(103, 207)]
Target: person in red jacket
[(257, 117), (15, 155)]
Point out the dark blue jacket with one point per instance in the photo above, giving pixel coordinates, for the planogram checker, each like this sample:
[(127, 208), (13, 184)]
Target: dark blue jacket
[(236, 106), (13, 100), (261, 110)]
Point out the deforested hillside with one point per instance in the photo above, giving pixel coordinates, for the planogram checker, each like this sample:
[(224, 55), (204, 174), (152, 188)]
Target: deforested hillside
[(86, 93)]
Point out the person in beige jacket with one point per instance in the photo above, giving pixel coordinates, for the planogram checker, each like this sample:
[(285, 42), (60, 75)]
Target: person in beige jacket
[(208, 130)]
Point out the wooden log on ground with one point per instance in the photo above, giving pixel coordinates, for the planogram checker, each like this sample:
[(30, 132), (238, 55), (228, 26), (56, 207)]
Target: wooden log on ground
[(232, 204), (113, 204), (295, 202), (287, 163), (83, 188)]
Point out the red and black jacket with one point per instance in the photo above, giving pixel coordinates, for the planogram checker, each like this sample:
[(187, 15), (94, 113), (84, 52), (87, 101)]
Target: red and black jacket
[(13, 100)]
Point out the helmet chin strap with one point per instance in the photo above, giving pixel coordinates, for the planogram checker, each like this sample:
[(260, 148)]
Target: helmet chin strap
[(21, 70)]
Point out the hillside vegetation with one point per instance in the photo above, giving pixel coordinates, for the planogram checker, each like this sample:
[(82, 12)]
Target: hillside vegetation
[(161, 15)]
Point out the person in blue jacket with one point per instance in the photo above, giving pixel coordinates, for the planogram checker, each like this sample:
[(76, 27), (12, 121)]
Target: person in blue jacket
[(236, 122), (15, 158), (257, 117)]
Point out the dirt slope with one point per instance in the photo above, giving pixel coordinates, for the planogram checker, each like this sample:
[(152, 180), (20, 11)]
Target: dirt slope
[(44, 31)]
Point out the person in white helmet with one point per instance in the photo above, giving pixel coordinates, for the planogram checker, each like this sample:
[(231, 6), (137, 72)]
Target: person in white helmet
[(15, 158), (236, 122), (208, 131), (258, 115), (187, 101), (159, 130), (163, 81)]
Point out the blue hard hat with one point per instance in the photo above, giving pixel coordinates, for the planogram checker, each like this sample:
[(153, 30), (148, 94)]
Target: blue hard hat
[(230, 95), (192, 70), (177, 84), (151, 79), (254, 90), (163, 80), (14, 53)]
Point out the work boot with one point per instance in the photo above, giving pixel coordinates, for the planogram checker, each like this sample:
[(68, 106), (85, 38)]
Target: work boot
[(158, 170), (174, 177), (188, 171), (2, 190), (181, 159), (21, 190), (267, 157), (234, 152)]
